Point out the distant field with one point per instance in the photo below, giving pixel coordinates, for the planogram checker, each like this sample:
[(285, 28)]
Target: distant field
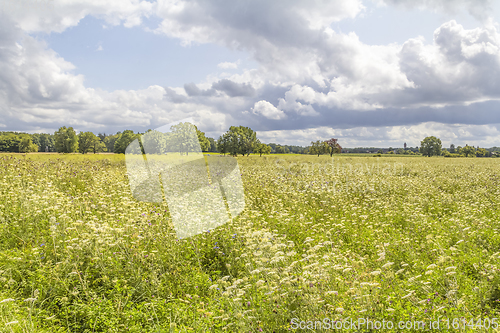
[(383, 238)]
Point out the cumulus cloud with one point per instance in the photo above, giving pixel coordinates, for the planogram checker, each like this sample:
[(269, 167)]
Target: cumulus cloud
[(268, 110), (228, 65), (480, 9), (308, 75), (385, 136), (234, 89), (338, 70), (58, 15), (38, 89)]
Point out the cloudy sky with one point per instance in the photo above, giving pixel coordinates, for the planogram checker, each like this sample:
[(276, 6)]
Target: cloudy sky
[(368, 72)]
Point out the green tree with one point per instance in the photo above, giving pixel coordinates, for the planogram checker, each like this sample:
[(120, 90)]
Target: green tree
[(43, 141), (213, 145), (9, 141), (481, 152), (262, 148), (27, 146), (281, 150), (239, 140), (66, 140), (124, 140), (99, 146), (156, 142), (319, 148), (86, 142), (204, 142), (468, 150), (452, 148), (223, 144), (333, 147), (184, 138), (109, 142), (430, 146), (400, 151)]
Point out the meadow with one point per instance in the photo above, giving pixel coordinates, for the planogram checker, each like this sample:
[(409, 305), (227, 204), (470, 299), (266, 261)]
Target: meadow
[(387, 238)]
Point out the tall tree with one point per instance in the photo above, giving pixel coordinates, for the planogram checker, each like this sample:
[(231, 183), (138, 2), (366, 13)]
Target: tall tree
[(452, 148), (468, 150), (102, 136), (213, 145), (98, 146), (319, 148), (156, 142), (185, 138), (430, 146), (27, 146), (481, 152), (86, 142), (110, 140), (333, 147), (124, 140), (204, 142), (66, 140), (282, 150), (262, 148), (241, 140), (223, 144)]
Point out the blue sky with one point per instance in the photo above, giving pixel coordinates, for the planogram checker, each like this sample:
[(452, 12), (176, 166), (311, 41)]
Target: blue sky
[(115, 57), (368, 72)]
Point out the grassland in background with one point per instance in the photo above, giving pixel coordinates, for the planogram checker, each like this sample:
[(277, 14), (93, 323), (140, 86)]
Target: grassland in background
[(382, 238)]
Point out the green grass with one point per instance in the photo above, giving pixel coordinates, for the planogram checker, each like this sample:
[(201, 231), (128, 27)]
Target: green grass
[(384, 238)]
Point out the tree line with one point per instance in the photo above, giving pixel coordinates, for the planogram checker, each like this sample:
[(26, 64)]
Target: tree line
[(238, 140), (432, 146)]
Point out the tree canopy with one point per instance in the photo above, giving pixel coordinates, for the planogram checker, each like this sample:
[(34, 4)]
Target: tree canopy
[(66, 140), (430, 146)]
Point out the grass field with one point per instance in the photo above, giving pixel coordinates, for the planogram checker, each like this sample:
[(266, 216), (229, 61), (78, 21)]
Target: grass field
[(385, 238)]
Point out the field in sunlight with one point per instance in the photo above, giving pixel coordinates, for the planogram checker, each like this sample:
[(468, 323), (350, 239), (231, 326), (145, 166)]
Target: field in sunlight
[(320, 239)]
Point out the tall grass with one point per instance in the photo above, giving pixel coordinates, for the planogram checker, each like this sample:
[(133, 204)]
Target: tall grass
[(382, 238)]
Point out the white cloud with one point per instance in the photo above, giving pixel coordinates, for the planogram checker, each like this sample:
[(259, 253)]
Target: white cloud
[(395, 136), (306, 69), (58, 15), (228, 65), (268, 110), (480, 9)]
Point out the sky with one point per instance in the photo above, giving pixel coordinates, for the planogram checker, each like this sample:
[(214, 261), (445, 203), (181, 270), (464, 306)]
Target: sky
[(371, 73)]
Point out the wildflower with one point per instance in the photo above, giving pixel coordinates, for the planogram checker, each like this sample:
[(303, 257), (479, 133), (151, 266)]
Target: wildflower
[(7, 300), (387, 265), (375, 273), (408, 295)]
